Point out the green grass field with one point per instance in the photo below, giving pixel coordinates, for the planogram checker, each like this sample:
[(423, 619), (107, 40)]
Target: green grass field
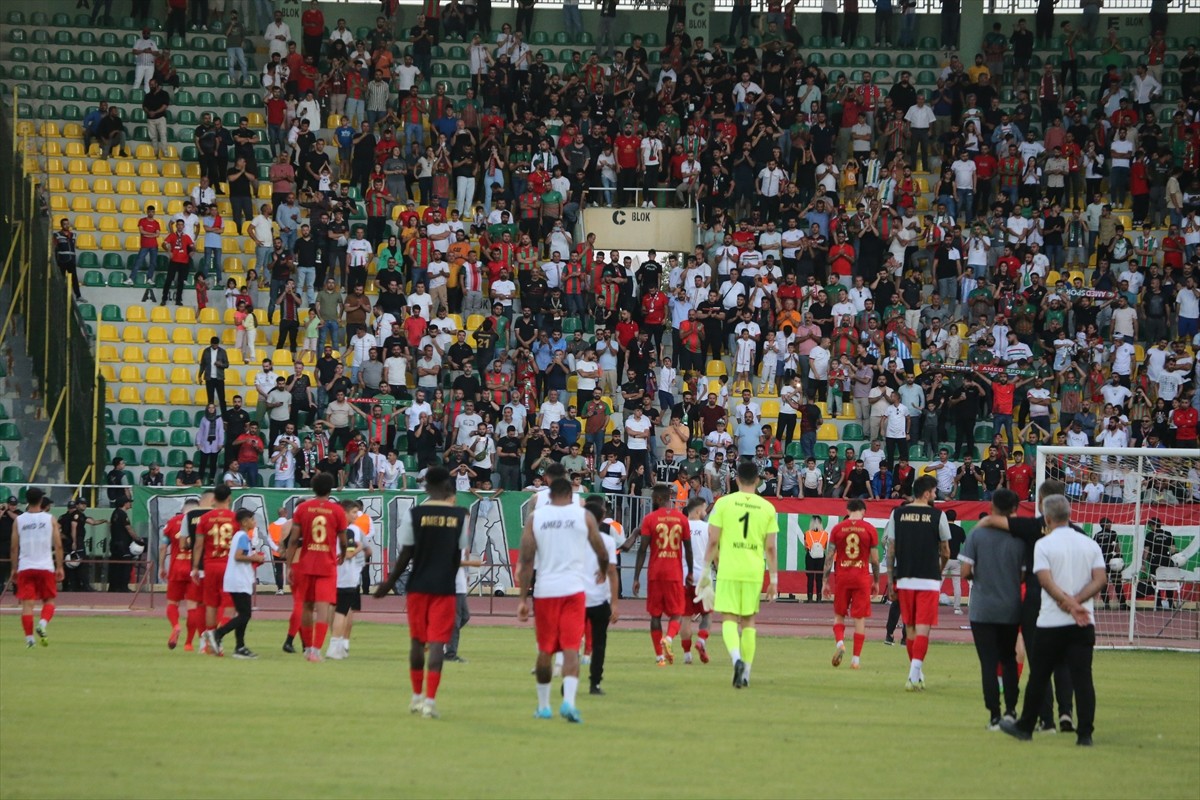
[(108, 711)]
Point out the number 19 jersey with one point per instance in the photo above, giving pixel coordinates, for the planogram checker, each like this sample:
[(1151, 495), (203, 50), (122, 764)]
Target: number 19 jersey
[(853, 540), (320, 522), (745, 520), (667, 530)]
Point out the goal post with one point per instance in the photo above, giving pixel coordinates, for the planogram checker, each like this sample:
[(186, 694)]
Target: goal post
[(1142, 505)]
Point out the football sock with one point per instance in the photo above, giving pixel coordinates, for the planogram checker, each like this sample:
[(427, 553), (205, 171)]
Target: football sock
[(27, 624), (431, 684), (914, 670), (729, 633), (687, 644), (322, 629), (673, 629), (859, 639), (543, 690), (749, 643), (920, 648), (193, 623), (839, 633), (570, 686), (703, 637), (746, 671), (656, 638), (418, 680), (48, 613), (172, 615)]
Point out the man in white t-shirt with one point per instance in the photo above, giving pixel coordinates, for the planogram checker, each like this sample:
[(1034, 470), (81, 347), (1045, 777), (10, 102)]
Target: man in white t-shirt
[(551, 410), (638, 430), (1122, 357), (407, 75)]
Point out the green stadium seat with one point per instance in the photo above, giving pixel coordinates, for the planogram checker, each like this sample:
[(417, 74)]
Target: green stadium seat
[(156, 437), (15, 18), (202, 62), (206, 99), (457, 53), (859, 60), (560, 38), (87, 312), (128, 417), (130, 437), (186, 117), (86, 39), (584, 38), (115, 95), (983, 434), (69, 94), (905, 61), (230, 100), (232, 118), (40, 36), (882, 60), (182, 98), (89, 75), (13, 474), (63, 38), (219, 44), (205, 79), (794, 450), (915, 453), (91, 95), (20, 72), (179, 419), (39, 19), (410, 464), (110, 59), (176, 458), (181, 438), (9, 432), (44, 92), (65, 57), (926, 78), (93, 278), (838, 59), (853, 432), (17, 36), (19, 55), (111, 313), (151, 457), (109, 39), (439, 70)]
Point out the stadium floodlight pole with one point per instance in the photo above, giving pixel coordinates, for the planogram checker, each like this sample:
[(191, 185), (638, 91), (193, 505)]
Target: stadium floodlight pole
[(1139, 544)]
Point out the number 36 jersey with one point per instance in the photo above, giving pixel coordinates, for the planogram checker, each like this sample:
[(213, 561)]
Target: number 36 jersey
[(667, 529), (853, 540), (320, 523)]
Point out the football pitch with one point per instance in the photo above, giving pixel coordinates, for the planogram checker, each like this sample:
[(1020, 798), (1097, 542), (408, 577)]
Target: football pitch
[(108, 711)]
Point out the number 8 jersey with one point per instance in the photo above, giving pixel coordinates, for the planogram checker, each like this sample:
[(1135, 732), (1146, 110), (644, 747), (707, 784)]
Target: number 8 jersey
[(667, 530), (853, 540)]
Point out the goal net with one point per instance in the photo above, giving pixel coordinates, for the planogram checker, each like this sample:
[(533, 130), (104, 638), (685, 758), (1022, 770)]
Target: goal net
[(1142, 506)]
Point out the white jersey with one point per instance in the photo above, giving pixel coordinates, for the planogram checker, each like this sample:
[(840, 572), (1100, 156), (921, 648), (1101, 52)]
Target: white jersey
[(597, 594), (699, 530), (35, 530), (239, 575), (349, 572), (562, 545)]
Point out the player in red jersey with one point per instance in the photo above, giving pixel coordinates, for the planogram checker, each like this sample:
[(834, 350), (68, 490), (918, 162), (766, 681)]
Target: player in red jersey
[(175, 569), (210, 554), (668, 536), (856, 555), (313, 554)]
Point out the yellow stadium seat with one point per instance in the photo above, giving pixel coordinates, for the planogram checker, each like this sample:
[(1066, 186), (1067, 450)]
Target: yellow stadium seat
[(130, 225), (251, 398), (125, 186), (108, 333), (170, 152), (171, 170), (49, 130), (180, 397), (235, 359), (233, 377), (125, 169), (81, 204), (130, 206), (155, 396), (160, 315), (185, 315), (208, 316), (129, 395), (109, 397), (131, 374), (135, 314), (77, 186), (158, 335), (106, 205), (102, 186), (227, 316), (110, 224), (108, 353), (73, 130), (248, 247), (172, 189), (715, 369), (1053, 277), (101, 167), (264, 190), (147, 169), (108, 243), (156, 375), (148, 188), (182, 376), (84, 222), (205, 335), (144, 152), (107, 372), (228, 337), (132, 243), (182, 355), (770, 408), (58, 204), (260, 316), (75, 166), (87, 241), (474, 321), (828, 432), (158, 355), (132, 335), (48, 149), (282, 358), (174, 206), (182, 336), (55, 185)]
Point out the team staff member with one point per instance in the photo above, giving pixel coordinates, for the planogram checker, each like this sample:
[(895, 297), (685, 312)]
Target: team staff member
[(73, 527), (742, 529), (1071, 571), (120, 537), (600, 598), (37, 551), (432, 537), (855, 548), (918, 549), (992, 560)]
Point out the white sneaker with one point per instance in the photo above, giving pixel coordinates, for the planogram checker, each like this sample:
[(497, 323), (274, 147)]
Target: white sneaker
[(687, 658), (128, 281), (429, 709), (335, 652), (417, 704)]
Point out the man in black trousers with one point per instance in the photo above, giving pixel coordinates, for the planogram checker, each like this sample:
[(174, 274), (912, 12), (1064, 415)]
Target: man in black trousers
[(601, 598), (1071, 570), (213, 363)]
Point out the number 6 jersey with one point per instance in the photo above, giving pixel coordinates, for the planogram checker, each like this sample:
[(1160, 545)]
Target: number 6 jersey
[(320, 521)]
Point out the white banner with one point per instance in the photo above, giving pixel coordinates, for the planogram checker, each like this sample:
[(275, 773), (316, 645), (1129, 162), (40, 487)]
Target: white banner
[(699, 13), (661, 229)]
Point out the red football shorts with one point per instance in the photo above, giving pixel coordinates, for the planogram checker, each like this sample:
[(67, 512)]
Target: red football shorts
[(918, 606), (558, 622), (665, 598), (213, 590), (180, 589), (36, 584), (431, 616), (852, 595), (691, 606), (314, 588)]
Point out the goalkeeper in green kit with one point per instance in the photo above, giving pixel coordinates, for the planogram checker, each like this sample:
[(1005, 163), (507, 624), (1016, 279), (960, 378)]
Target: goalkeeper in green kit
[(742, 530)]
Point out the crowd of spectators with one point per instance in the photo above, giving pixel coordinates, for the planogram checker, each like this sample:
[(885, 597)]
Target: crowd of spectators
[(921, 259)]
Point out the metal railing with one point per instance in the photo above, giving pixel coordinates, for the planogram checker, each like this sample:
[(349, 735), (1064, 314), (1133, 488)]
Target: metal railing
[(814, 6)]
